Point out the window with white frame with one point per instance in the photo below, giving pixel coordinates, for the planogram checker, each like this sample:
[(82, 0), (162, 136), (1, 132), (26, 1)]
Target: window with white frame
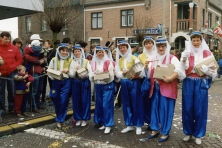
[(216, 18), (44, 25), (132, 40), (97, 20), (95, 41), (203, 17), (28, 24), (126, 18), (209, 19), (118, 40)]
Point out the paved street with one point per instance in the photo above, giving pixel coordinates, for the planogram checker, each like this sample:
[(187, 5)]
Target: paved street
[(46, 136)]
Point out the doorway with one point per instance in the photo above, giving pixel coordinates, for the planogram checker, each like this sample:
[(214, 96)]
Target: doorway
[(180, 43)]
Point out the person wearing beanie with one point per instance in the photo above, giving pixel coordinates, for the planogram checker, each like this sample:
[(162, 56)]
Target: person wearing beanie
[(34, 37), (81, 87), (35, 65), (36, 48), (60, 88), (104, 109)]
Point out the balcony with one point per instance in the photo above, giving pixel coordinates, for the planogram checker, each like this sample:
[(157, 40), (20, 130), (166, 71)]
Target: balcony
[(184, 25)]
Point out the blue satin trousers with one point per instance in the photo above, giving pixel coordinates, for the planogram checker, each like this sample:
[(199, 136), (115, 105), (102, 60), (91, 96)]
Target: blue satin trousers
[(194, 107), (81, 99), (60, 99), (162, 111), (104, 109), (147, 108), (132, 101)]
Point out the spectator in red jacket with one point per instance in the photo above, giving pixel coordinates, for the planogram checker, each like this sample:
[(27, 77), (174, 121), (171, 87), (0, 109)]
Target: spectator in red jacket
[(12, 58), (36, 70)]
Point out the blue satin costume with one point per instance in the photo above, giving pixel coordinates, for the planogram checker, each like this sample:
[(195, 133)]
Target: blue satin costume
[(132, 102), (60, 96), (195, 106), (162, 111), (147, 107), (104, 110), (81, 98)]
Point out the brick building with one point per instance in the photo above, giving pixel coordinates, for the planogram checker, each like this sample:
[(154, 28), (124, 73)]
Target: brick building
[(35, 24), (114, 20)]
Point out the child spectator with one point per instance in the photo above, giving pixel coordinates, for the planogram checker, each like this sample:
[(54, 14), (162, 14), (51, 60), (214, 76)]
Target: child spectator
[(35, 44), (22, 83)]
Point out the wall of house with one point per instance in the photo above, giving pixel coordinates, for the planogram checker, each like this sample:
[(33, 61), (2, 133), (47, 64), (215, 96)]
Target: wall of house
[(80, 29), (112, 19)]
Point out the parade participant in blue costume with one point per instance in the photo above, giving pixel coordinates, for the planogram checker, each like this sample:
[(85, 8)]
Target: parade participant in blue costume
[(104, 110), (164, 92), (130, 89), (60, 88), (149, 50), (195, 88), (81, 88)]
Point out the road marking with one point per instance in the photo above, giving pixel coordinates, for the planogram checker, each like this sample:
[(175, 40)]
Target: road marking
[(64, 138)]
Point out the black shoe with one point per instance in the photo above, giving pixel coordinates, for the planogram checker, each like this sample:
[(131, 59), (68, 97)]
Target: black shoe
[(163, 139), (41, 107), (98, 125), (10, 110), (36, 111), (153, 136)]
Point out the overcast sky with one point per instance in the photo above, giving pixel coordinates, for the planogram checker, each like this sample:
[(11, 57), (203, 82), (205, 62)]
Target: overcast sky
[(10, 25)]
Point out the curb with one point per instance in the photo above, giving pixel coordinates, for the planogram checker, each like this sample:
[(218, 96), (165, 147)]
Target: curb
[(32, 123)]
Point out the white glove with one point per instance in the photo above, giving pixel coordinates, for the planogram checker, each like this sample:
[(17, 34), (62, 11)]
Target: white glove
[(184, 56), (212, 65), (97, 72), (205, 69)]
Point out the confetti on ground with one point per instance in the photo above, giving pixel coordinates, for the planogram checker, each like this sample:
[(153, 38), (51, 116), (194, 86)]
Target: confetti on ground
[(143, 139)]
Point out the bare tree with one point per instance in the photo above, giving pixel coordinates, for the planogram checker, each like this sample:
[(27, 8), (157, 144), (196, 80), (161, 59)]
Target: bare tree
[(141, 23), (58, 14)]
